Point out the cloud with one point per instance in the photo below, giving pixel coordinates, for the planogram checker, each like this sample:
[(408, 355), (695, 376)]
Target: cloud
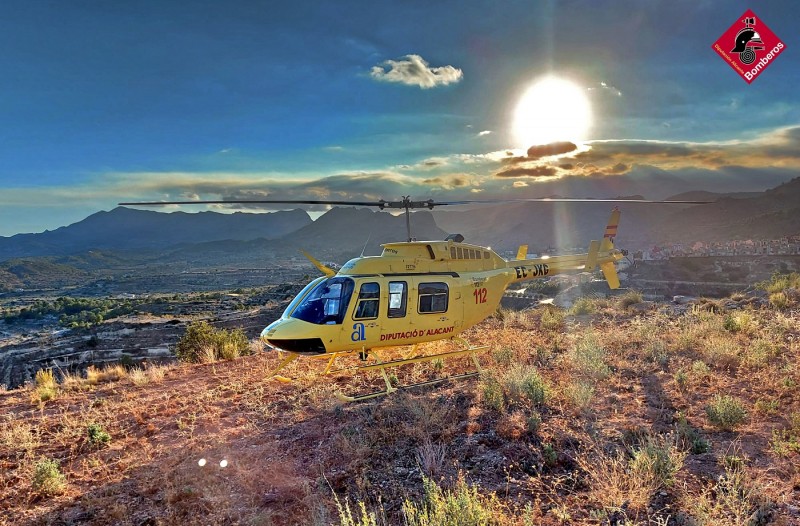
[(484, 133), (533, 171), (538, 151), (413, 70), (545, 150), (603, 86), (449, 182)]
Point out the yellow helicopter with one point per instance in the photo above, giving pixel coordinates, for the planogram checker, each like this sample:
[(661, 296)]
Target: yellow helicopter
[(414, 292)]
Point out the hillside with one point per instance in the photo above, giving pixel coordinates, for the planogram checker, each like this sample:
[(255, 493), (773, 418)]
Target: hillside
[(128, 229), (655, 413)]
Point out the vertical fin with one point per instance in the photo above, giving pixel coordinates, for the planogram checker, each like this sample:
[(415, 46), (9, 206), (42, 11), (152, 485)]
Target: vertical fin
[(522, 253), (611, 231)]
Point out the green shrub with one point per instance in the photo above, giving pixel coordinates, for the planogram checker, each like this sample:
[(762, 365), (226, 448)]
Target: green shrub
[(588, 358), (202, 343), (492, 393), (779, 300), (552, 319), (45, 386), (632, 297), (98, 437), (523, 382), (726, 412), (689, 437), (579, 394), (583, 306), (740, 322), (760, 353), (48, 479), (780, 282), (460, 506), (504, 356), (657, 461)]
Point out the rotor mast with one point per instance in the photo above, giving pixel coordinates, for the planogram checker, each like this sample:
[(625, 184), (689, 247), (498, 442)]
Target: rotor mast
[(407, 204)]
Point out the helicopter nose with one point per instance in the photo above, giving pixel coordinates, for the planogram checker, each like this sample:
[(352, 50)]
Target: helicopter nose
[(293, 336)]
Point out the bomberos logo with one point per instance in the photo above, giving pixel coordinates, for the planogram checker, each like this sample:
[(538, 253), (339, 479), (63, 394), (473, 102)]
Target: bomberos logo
[(749, 46)]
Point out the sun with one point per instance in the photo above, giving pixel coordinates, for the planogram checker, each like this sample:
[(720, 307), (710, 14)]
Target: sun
[(551, 110)]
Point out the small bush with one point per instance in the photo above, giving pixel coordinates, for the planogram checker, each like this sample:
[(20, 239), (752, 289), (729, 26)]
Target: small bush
[(722, 353), (552, 319), (460, 506), (523, 382), (579, 395), (780, 282), (504, 356), (48, 479), (740, 322), (700, 370), (362, 517), (138, 376), (689, 437), (588, 358), (203, 343), (45, 386), (632, 297), (98, 437), (111, 373), (726, 412), (492, 393), (779, 300), (583, 306), (657, 461), (760, 353)]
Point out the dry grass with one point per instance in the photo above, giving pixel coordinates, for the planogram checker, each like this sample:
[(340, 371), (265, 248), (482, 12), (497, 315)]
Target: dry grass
[(510, 446)]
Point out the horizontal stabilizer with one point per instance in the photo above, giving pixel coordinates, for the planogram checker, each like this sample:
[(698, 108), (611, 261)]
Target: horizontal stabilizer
[(591, 260), (322, 268)]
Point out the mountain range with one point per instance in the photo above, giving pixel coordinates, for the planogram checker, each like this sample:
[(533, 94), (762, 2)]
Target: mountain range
[(342, 233)]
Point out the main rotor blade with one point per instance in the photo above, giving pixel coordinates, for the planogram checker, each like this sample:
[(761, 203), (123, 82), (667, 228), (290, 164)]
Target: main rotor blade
[(567, 200), (407, 203), (251, 201)]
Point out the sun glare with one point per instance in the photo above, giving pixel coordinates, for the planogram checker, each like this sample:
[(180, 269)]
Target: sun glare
[(551, 110)]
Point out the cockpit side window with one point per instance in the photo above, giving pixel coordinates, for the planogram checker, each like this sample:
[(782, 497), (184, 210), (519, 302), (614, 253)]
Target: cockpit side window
[(368, 301), (327, 303)]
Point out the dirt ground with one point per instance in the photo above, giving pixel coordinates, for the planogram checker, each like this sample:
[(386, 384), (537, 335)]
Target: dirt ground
[(619, 385)]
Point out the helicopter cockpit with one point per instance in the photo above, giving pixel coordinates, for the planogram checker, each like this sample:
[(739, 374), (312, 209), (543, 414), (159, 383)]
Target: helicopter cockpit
[(327, 302)]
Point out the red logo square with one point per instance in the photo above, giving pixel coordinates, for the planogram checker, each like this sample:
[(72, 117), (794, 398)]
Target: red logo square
[(749, 46)]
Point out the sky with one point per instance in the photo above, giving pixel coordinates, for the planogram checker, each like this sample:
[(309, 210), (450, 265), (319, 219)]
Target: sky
[(109, 101)]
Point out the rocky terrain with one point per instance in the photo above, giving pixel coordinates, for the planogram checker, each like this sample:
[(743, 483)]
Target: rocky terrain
[(616, 411)]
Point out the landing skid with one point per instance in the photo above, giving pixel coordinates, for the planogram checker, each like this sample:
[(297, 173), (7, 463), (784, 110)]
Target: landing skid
[(383, 366)]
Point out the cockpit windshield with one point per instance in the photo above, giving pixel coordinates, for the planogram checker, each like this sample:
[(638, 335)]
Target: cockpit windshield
[(327, 303)]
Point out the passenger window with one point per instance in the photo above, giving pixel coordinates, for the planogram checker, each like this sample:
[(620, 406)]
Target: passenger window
[(460, 253), (452, 252), (398, 294), (368, 300), (433, 297)]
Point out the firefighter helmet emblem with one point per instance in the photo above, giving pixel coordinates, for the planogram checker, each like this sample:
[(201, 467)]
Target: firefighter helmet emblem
[(748, 41)]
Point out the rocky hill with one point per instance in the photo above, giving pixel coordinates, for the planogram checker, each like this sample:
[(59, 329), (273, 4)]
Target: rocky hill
[(619, 412), (129, 229)]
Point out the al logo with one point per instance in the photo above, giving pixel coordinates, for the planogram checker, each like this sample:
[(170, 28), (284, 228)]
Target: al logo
[(749, 46)]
